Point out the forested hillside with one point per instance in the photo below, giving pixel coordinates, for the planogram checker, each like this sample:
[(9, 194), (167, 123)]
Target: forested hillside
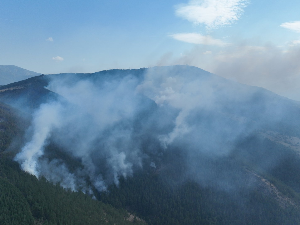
[(171, 145), (258, 198), (24, 199)]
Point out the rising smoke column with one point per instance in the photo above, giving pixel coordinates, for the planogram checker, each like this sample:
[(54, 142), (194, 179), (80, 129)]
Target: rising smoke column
[(44, 121), (92, 124)]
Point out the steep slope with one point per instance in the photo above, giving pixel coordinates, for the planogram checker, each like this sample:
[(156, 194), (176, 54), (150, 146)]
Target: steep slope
[(176, 145), (24, 199), (27, 94), (10, 74), (27, 200)]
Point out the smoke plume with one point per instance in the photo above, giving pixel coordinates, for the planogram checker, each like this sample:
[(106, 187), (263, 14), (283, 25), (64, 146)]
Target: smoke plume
[(103, 127), (268, 66)]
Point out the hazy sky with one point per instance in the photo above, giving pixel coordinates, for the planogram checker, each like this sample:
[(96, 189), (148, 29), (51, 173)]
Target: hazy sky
[(216, 35)]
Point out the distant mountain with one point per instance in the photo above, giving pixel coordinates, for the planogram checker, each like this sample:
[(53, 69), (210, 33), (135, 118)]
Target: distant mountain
[(10, 74)]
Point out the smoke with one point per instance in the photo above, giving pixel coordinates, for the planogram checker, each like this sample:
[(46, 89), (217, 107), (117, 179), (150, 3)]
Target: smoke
[(89, 123), (268, 66), (107, 126), (183, 93), (271, 67), (45, 119)]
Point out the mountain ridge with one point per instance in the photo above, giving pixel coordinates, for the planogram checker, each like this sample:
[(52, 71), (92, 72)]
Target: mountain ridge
[(178, 145)]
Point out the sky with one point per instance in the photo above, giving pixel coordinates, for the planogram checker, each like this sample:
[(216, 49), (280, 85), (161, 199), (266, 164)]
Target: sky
[(250, 41)]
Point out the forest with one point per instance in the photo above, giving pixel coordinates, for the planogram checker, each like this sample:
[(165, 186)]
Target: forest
[(254, 180), (24, 199)]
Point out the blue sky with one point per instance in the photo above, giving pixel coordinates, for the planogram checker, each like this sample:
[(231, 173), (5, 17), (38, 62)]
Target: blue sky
[(216, 35)]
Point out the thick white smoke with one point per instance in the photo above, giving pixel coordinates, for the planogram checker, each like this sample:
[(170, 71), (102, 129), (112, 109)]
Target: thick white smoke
[(78, 122), (45, 119), (106, 127)]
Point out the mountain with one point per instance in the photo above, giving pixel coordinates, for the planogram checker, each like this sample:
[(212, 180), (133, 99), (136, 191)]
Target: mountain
[(24, 199), (172, 145), (10, 74)]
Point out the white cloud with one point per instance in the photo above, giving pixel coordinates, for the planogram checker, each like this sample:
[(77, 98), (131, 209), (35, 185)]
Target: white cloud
[(296, 42), (50, 39), (195, 38), (207, 53), (294, 26), (58, 59), (212, 13)]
